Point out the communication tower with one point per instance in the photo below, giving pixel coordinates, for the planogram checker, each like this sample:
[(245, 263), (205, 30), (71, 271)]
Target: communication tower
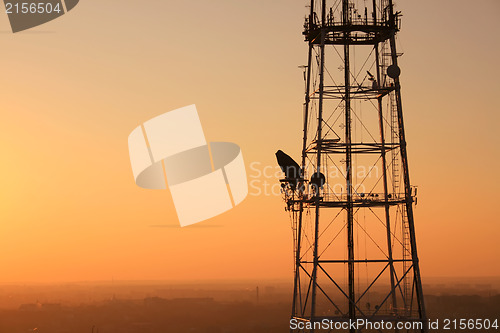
[(351, 204)]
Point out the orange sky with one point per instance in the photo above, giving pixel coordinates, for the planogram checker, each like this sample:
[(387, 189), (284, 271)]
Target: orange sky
[(73, 89)]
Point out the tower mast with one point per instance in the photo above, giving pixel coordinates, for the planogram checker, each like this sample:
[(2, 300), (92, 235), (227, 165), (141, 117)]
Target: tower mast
[(354, 234)]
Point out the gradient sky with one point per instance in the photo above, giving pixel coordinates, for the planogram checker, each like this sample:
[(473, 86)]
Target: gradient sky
[(73, 89)]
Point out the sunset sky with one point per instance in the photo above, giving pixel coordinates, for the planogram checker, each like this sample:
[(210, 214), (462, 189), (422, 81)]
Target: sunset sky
[(74, 88)]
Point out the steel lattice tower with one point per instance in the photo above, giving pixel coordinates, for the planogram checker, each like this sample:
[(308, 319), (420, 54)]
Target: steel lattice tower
[(355, 250)]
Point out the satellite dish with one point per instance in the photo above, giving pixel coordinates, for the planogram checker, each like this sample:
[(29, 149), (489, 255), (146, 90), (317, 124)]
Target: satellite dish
[(318, 180), (289, 167), (393, 71)]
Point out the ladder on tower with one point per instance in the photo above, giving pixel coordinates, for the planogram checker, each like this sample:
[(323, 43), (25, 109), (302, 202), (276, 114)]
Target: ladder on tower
[(393, 109), (396, 178), (407, 281), (386, 61)]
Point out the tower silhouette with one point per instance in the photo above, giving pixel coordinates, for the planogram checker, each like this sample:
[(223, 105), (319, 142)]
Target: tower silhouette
[(351, 207)]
